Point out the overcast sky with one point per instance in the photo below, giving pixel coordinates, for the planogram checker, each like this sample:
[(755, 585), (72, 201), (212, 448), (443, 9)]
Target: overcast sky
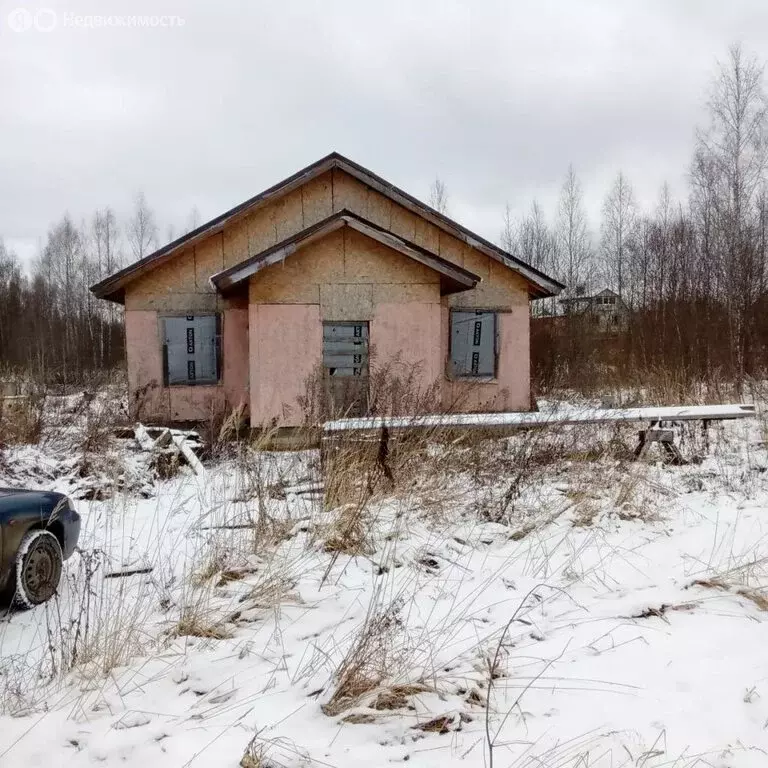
[(494, 97)]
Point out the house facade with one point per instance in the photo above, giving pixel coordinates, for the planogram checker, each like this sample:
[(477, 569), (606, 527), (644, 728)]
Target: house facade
[(606, 310), (310, 290)]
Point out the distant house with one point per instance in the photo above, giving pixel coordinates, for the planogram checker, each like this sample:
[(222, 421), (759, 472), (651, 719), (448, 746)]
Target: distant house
[(325, 276), (605, 310)]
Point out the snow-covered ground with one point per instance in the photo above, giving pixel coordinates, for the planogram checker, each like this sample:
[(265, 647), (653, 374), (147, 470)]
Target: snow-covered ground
[(525, 603)]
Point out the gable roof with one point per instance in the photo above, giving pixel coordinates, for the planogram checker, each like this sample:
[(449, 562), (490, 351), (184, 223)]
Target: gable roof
[(540, 285), (454, 277)]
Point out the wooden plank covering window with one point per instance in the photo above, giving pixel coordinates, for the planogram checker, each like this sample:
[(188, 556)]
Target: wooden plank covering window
[(345, 367), (345, 349)]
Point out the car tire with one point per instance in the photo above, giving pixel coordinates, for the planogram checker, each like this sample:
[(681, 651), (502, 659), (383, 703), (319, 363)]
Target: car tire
[(39, 563)]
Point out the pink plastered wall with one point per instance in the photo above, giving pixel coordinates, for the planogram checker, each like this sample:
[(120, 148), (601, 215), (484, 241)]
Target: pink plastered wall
[(285, 353), (510, 389), (180, 403), (405, 342), (145, 364)]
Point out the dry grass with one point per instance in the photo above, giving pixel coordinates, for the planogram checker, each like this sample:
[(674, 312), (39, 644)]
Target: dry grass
[(753, 594), (347, 531), (199, 614), (224, 427), (375, 654), (398, 696), (84, 636), (626, 386), (166, 464), (193, 625), (444, 723), (359, 718), (21, 419), (215, 562), (228, 576), (585, 512), (256, 755), (273, 588)]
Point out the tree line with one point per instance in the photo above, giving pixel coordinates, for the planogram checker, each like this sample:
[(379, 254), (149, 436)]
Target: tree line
[(692, 273), (52, 329)]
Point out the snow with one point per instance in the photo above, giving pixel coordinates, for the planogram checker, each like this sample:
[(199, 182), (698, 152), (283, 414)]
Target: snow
[(618, 605)]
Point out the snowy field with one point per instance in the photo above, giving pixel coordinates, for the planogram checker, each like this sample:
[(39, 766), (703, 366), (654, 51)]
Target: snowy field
[(538, 601)]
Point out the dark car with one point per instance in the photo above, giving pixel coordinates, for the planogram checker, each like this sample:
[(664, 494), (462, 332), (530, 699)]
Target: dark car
[(38, 531)]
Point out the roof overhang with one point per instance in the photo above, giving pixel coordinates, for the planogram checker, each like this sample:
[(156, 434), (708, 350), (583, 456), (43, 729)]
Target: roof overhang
[(539, 285), (452, 277)]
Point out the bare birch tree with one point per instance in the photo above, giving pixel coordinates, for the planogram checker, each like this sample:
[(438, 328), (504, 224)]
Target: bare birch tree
[(105, 234), (142, 228), (574, 246), (730, 163), (618, 228), (438, 196), (508, 236), (193, 220), (535, 245), (62, 262), (535, 242)]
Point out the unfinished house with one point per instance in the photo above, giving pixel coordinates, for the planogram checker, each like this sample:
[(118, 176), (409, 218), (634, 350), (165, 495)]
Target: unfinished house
[(316, 291)]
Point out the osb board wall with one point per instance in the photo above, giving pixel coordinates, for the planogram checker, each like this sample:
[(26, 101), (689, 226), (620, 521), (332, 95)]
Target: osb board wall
[(348, 275), (500, 287), (182, 281)]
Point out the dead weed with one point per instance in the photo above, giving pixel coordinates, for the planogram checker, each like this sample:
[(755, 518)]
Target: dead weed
[(373, 655), (398, 696), (752, 594), (191, 625)]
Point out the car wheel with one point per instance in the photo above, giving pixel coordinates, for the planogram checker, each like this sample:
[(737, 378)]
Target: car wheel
[(38, 568)]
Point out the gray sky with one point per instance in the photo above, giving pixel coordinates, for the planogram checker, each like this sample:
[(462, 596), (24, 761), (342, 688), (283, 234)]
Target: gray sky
[(495, 97)]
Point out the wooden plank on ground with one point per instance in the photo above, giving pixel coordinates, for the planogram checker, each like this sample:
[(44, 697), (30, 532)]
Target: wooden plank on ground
[(187, 452), (164, 439)]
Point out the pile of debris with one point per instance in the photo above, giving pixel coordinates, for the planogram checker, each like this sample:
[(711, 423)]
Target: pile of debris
[(97, 475), (169, 447)]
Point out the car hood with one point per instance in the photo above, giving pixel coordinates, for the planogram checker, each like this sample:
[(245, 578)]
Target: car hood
[(10, 491), (18, 499), (23, 492)]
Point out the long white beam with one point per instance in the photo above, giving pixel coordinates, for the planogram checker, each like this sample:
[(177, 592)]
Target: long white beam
[(542, 419)]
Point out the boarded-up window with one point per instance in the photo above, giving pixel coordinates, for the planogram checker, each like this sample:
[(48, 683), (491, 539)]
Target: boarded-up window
[(345, 349), (191, 346), (345, 366), (473, 343)]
